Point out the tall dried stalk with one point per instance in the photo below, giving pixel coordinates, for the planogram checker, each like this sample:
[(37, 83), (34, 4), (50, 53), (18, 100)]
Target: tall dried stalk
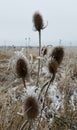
[(39, 55), (39, 25)]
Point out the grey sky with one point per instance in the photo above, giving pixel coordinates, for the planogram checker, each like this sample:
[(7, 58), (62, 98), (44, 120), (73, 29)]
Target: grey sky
[(16, 20)]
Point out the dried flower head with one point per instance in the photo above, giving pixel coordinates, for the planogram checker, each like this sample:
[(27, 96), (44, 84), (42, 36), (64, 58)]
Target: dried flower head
[(38, 21), (44, 51), (52, 66), (31, 108), (22, 68), (58, 54)]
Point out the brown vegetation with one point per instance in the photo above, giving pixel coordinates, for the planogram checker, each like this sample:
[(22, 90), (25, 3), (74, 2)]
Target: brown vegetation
[(11, 93)]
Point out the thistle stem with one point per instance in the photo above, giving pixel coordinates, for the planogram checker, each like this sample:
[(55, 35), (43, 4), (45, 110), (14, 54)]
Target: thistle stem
[(39, 56), (23, 79)]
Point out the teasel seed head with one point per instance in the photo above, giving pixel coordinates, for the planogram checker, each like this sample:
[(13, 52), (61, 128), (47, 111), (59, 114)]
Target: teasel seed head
[(31, 108), (22, 68), (38, 21), (52, 66), (58, 54)]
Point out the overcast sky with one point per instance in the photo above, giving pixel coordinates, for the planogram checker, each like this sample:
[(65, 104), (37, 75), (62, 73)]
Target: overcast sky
[(16, 21)]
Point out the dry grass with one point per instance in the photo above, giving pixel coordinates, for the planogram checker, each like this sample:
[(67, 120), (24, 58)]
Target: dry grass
[(67, 84)]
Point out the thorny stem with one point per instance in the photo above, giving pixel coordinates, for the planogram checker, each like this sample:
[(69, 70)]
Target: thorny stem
[(39, 42), (23, 79), (51, 80), (43, 88), (39, 55)]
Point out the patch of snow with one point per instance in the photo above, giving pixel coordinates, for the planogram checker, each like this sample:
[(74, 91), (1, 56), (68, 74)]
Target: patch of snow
[(44, 70), (73, 100), (30, 91), (55, 97)]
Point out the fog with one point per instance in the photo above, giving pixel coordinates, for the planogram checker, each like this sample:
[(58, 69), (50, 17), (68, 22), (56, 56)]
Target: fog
[(16, 26)]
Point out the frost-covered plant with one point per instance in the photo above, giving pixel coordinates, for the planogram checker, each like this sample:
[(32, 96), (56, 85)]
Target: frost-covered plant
[(38, 21), (22, 69), (31, 110), (54, 61), (52, 66), (58, 54), (38, 25), (20, 66)]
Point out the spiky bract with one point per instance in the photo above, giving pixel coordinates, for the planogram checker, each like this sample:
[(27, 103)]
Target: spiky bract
[(38, 21), (58, 54), (31, 108), (21, 68), (52, 66)]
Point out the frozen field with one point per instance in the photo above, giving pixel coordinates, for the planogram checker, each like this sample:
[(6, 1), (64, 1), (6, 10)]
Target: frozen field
[(60, 111)]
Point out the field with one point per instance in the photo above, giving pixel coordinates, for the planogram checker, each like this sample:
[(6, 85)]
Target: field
[(60, 107)]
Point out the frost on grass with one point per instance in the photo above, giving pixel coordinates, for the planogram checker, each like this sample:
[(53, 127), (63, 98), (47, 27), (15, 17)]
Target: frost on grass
[(30, 91), (55, 97), (60, 110), (73, 100)]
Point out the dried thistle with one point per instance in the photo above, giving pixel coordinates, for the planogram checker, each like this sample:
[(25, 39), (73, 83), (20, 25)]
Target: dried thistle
[(58, 54), (22, 69), (52, 66), (39, 25), (31, 108), (38, 21)]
